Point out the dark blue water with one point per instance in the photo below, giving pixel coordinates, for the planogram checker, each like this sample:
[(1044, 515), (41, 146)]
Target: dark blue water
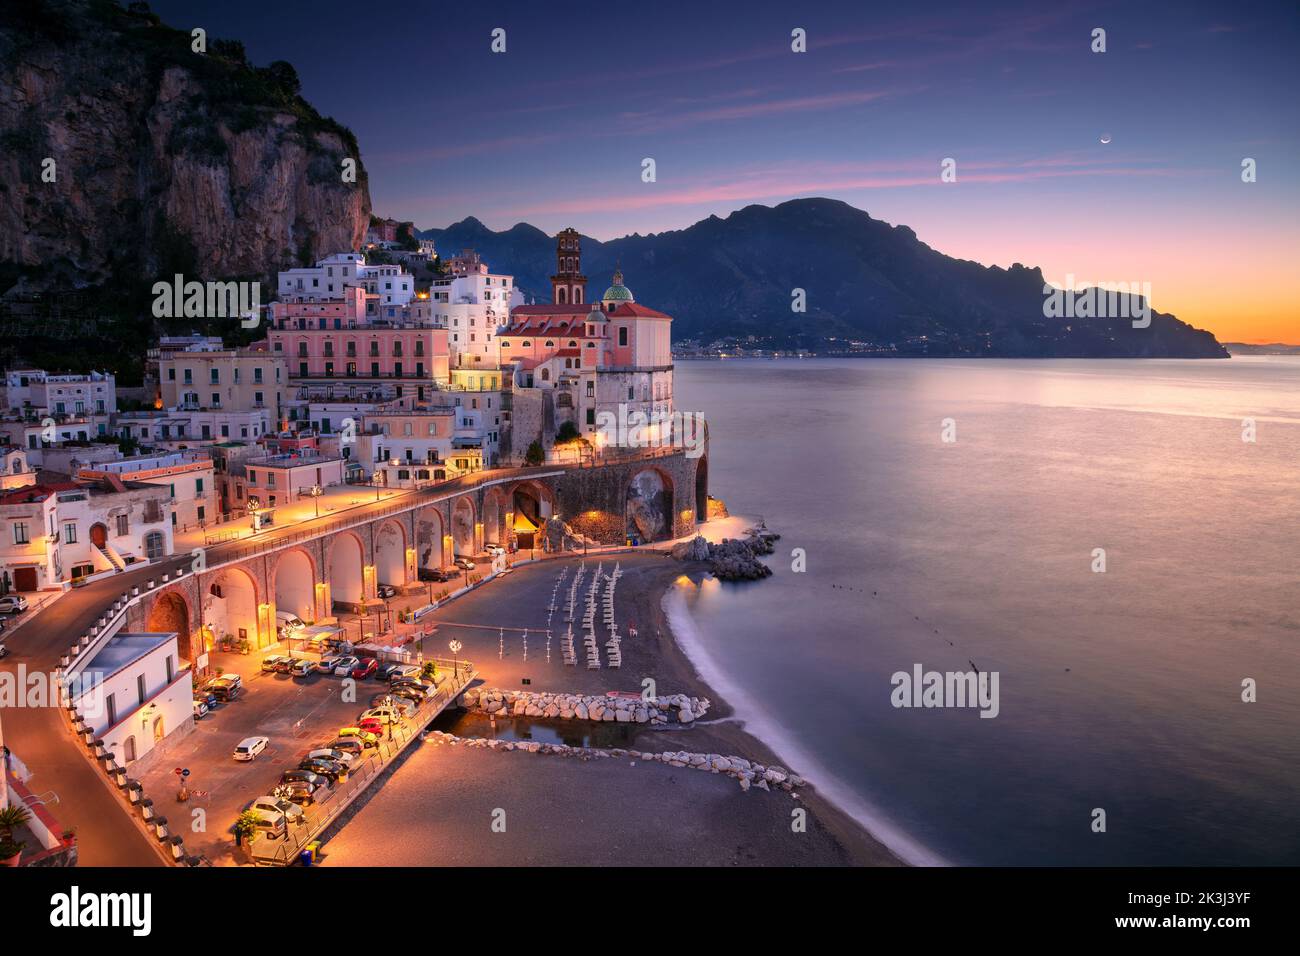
[(1118, 690)]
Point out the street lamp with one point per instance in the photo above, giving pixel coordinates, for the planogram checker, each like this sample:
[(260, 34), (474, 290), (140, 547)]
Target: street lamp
[(455, 647), (316, 492), (254, 506), (388, 702)]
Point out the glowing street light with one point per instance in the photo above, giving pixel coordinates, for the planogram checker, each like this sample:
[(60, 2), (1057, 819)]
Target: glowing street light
[(316, 492), (455, 647)]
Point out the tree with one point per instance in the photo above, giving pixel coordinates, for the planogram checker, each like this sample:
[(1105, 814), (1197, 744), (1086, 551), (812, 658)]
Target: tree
[(232, 50), (12, 817), (568, 432), (285, 78), (535, 455)]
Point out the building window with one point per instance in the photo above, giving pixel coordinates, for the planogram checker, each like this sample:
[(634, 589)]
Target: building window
[(153, 544), (139, 688), (20, 532), (70, 532), (123, 525)]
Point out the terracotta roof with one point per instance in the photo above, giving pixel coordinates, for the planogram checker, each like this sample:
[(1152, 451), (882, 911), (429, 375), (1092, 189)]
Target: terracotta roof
[(633, 310)]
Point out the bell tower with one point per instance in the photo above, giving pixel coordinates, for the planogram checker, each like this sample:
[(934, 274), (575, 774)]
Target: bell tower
[(568, 285)]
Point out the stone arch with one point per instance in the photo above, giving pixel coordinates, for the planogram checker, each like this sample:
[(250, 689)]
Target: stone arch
[(495, 509), (346, 563), (463, 518), (171, 612), (702, 489), (430, 551), (648, 505), (293, 583), (99, 534), (531, 503), (230, 606), (390, 554)]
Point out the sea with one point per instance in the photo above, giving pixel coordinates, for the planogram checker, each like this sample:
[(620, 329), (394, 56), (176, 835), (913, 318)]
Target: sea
[(1117, 541)]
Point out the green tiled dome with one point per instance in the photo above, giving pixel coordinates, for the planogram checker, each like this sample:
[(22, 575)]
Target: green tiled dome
[(618, 292)]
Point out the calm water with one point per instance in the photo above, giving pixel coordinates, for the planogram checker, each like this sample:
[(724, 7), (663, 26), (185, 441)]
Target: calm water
[(1119, 691)]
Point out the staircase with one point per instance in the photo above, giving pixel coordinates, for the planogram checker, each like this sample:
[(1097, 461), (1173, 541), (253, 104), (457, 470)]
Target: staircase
[(112, 558)]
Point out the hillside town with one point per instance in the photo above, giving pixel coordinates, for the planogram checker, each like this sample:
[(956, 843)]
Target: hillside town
[(362, 379), (299, 503)]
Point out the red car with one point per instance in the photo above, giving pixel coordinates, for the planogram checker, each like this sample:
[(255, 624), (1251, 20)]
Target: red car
[(365, 669), (372, 725)]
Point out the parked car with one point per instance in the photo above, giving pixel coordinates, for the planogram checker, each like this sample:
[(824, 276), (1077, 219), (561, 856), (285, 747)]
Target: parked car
[(268, 804), (386, 591), (385, 715), (299, 775), (328, 663), (465, 564), (286, 665), (372, 725), (353, 747), (287, 623), (302, 793), (436, 574), (344, 666), (364, 669), (423, 686), (367, 737), (271, 662), (272, 824), (404, 670), (409, 695), (303, 666), (328, 769), (386, 671), (250, 747), (226, 687), (200, 708), (204, 696), (12, 604), (332, 753)]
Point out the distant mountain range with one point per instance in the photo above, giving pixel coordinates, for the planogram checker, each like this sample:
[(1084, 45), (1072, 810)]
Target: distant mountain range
[(870, 287), (1276, 348)]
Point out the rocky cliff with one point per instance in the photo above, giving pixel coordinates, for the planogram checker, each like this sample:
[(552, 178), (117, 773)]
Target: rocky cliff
[(164, 159)]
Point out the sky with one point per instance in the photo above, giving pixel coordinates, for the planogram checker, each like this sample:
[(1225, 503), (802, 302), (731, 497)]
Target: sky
[(1122, 166)]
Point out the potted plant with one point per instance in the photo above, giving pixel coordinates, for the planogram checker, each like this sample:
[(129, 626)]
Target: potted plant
[(11, 848), (244, 646), (246, 828)]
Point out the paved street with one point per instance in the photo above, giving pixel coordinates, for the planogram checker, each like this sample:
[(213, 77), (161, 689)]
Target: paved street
[(84, 801)]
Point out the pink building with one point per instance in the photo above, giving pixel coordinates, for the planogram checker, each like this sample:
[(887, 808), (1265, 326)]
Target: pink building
[(333, 343)]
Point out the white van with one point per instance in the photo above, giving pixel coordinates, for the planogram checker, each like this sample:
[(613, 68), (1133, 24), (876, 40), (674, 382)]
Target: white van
[(287, 623)]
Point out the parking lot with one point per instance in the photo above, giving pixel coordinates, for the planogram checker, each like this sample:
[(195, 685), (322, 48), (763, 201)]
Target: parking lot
[(295, 714)]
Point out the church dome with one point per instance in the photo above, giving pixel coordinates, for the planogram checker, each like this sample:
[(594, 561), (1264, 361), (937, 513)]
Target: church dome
[(618, 292)]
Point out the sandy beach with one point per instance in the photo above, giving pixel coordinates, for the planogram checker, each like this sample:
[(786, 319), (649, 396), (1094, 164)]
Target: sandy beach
[(437, 807)]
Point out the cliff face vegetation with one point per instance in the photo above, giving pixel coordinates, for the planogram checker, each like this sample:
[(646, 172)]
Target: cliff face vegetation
[(164, 159)]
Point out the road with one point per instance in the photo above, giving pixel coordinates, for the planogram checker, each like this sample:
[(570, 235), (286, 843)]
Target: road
[(40, 737)]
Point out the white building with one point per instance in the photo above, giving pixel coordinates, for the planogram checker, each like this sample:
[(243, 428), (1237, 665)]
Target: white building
[(133, 694), (54, 532), (94, 393), (188, 477), (331, 276), (472, 306)]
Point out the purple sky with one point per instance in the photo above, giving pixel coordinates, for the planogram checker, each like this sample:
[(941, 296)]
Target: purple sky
[(554, 131)]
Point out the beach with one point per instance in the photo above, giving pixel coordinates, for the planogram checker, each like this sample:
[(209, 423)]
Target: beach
[(439, 805)]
